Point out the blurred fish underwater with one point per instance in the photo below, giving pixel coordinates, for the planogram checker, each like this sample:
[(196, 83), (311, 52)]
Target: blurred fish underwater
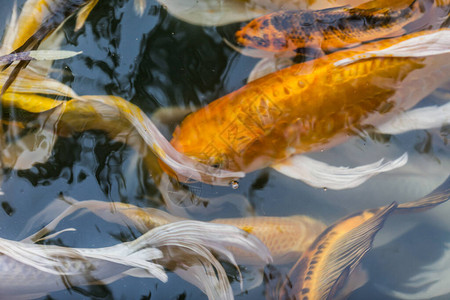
[(92, 92)]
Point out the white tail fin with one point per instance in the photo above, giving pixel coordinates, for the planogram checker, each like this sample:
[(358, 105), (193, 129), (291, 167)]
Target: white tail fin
[(322, 175), (419, 118), (433, 43), (185, 167), (187, 245)]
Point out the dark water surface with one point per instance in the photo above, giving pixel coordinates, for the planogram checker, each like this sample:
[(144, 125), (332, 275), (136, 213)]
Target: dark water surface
[(158, 61)]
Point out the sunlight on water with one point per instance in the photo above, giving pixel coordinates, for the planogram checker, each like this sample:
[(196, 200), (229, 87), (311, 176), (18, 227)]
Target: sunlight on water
[(251, 146)]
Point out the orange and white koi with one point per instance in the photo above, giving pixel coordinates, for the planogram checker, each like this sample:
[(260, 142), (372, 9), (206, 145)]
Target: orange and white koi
[(317, 104)]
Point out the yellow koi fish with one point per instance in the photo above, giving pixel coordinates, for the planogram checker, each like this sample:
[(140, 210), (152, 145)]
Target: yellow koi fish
[(317, 104)]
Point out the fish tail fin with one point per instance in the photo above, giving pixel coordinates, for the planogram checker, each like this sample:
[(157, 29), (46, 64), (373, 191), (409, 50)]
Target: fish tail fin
[(319, 174), (193, 255), (428, 202), (436, 42)]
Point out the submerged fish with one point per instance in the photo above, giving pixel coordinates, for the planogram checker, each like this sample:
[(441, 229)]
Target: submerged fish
[(329, 264), (285, 237), (327, 30), (317, 104)]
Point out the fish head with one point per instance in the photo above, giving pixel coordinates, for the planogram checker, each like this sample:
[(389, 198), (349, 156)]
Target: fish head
[(203, 147), (261, 34)]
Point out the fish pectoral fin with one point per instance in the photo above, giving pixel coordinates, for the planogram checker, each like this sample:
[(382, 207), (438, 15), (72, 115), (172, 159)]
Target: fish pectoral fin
[(417, 119), (322, 175)]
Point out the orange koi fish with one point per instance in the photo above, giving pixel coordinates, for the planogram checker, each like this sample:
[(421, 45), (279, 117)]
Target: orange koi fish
[(317, 104), (325, 268), (328, 29)]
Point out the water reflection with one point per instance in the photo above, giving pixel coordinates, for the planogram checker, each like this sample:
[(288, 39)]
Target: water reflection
[(167, 62)]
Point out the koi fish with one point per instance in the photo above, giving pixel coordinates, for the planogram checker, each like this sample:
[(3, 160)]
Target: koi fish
[(328, 30), (317, 104), (326, 267), (31, 270), (320, 272), (286, 238), (117, 116)]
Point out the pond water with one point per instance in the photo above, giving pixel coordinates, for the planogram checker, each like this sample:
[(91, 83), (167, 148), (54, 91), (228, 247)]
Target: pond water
[(157, 61)]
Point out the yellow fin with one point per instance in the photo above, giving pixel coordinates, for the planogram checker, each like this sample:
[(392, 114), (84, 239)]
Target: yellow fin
[(340, 247), (84, 13)]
